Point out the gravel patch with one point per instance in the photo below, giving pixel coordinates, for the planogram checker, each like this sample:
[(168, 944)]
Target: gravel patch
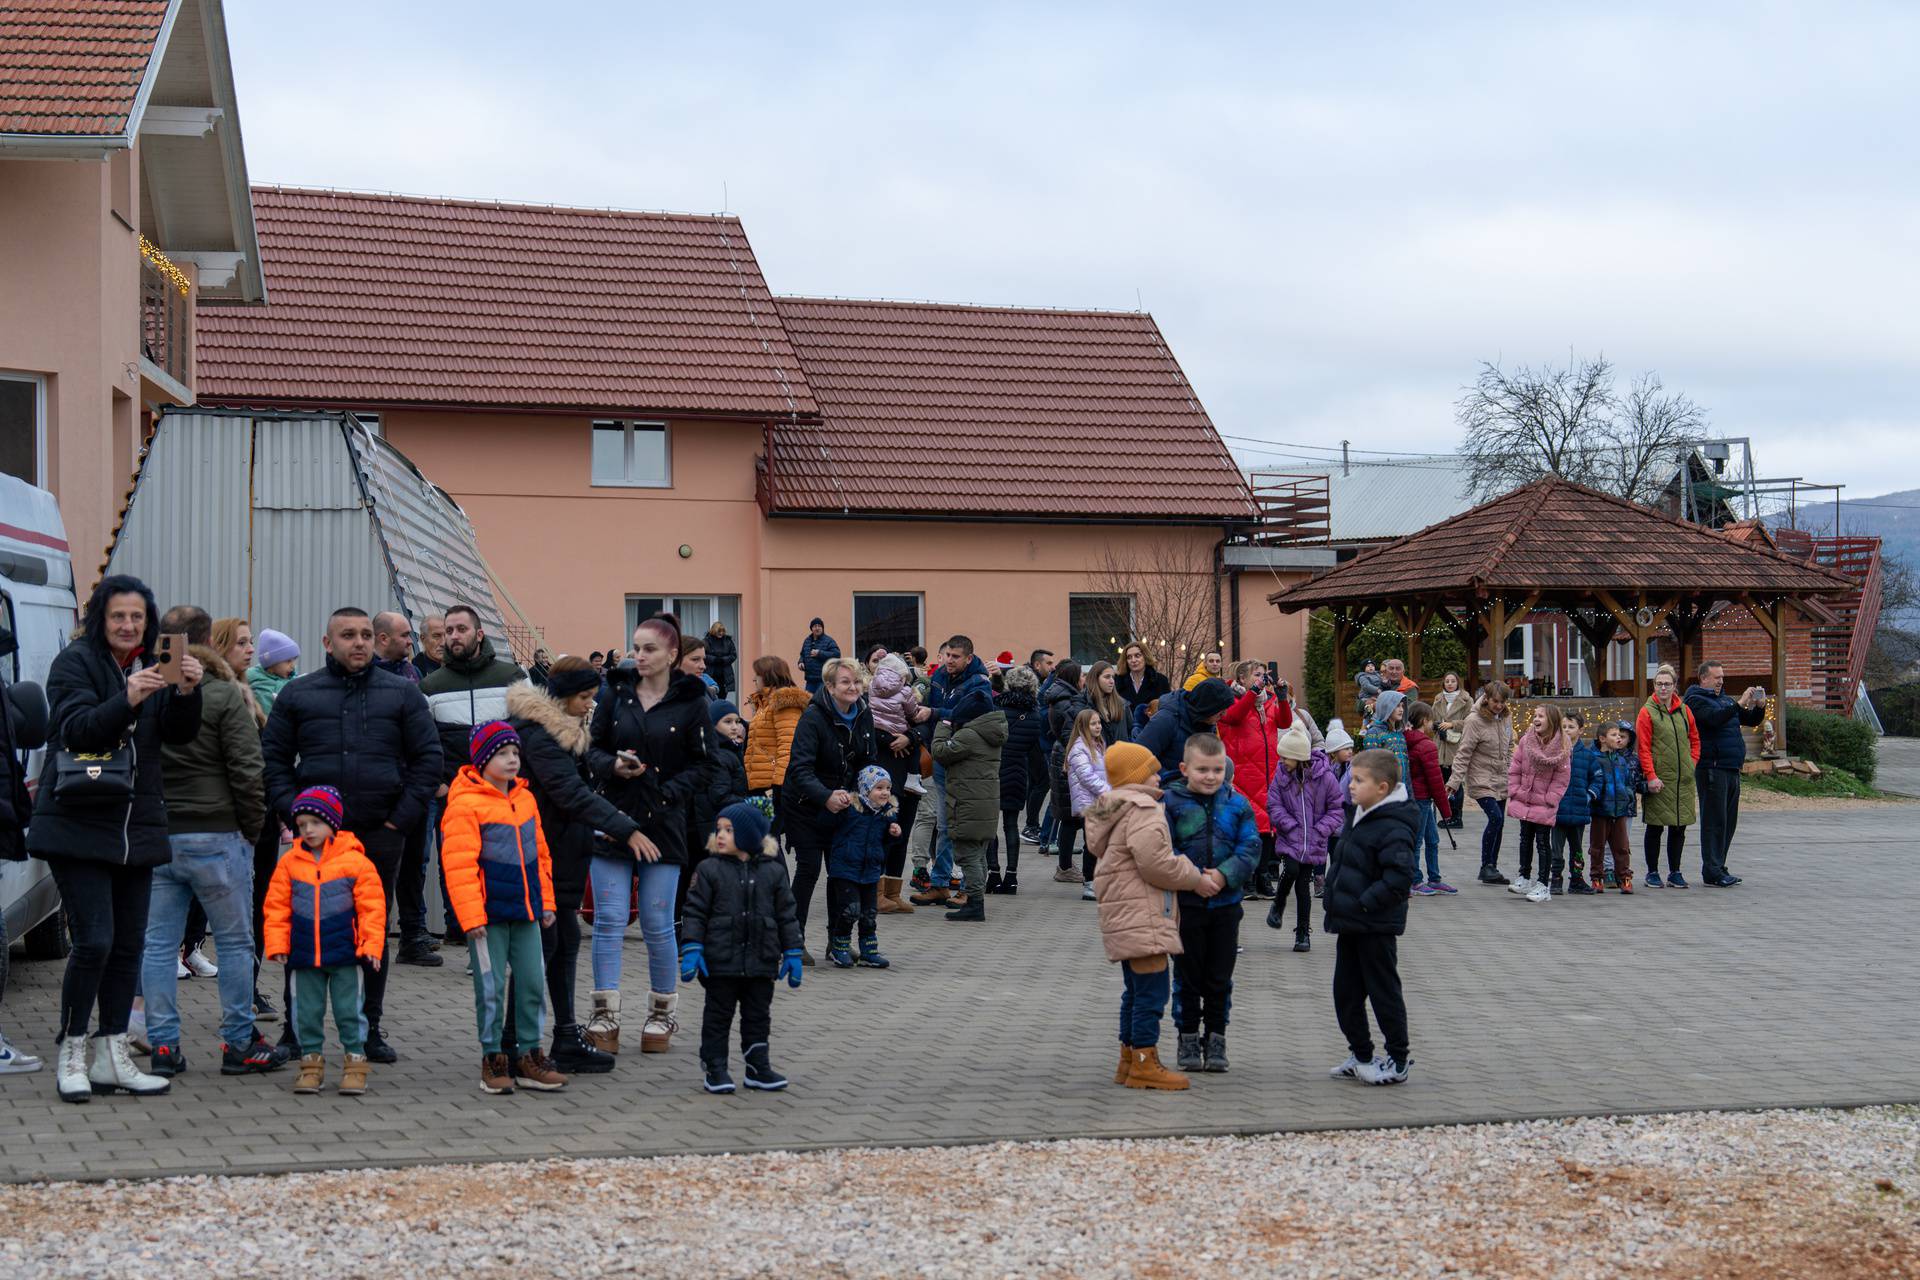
[(1765, 1194)]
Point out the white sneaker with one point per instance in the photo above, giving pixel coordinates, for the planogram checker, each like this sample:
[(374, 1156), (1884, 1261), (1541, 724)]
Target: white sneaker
[(200, 965), (1383, 1070), (1540, 892), (16, 1062), (1348, 1070), (1086, 892), (1522, 885)]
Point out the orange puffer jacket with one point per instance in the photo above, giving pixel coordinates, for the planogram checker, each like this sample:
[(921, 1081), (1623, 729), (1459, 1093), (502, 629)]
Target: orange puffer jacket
[(1139, 875), (495, 855), (776, 715), (328, 910)]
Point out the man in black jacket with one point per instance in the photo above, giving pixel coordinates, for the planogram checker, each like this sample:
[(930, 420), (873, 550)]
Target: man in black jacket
[(1717, 776), (816, 651), (1369, 879), (366, 733)]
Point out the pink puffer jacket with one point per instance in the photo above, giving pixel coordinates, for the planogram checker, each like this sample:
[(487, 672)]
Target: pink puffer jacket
[(892, 698), (1139, 876), (1537, 778)]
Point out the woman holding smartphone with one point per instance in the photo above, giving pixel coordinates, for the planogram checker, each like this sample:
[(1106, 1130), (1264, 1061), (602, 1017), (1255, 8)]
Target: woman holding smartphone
[(649, 747)]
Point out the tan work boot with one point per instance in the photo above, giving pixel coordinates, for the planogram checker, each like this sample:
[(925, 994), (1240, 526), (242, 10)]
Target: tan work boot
[(890, 903), (353, 1075), (1145, 1072), (313, 1073), (535, 1071), (1121, 1072), (656, 1033), (495, 1075), (929, 898), (603, 1027)]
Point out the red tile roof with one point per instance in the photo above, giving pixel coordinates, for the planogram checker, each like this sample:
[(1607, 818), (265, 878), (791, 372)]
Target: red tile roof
[(1559, 537), (73, 67), (996, 411), (381, 299)]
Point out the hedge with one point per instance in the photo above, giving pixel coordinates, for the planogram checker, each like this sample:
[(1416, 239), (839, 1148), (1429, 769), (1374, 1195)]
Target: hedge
[(1840, 741)]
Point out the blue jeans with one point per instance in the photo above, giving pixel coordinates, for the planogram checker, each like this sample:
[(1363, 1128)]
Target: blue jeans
[(1143, 999), (942, 870), (1496, 811), (612, 884), (217, 869), (1430, 835)]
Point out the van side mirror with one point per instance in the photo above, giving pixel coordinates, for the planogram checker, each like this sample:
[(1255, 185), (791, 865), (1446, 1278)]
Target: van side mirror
[(26, 708)]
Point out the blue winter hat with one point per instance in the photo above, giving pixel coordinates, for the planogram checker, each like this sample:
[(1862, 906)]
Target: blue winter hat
[(719, 709), (750, 827), (870, 777)]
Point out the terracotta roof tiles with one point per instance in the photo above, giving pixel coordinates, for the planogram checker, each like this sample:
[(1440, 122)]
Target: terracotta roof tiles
[(73, 68)]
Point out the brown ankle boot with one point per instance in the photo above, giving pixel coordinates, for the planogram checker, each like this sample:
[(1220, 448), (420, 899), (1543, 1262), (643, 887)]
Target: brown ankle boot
[(313, 1074), (535, 1071), (1145, 1072), (495, 1075), (929, 898), (890, 903), (1121, 1072), (353, 1075)]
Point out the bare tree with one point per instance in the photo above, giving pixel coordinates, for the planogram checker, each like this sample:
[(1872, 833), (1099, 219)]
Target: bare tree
[(1171, 585), (1641, 445), (1530, 422)]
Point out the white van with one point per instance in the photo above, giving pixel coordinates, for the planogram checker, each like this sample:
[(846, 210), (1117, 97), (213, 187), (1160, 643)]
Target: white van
[(37, 605)]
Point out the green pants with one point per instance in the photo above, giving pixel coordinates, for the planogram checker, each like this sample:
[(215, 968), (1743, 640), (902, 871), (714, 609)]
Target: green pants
[(971, 857), (511, 946), (311, 990)]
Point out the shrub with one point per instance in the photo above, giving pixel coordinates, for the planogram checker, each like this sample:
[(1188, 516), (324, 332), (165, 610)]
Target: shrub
[(1440, 653), (1828, 739)]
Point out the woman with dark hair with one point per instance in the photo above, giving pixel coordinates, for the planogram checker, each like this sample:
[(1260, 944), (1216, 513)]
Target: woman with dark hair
[(722, 653), (102, 848), (649, 746), (832, 744), (1138, 682)]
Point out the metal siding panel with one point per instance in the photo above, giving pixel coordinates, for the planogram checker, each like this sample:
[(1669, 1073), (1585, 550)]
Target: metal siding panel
[(303, 465), (186, 529), (309, 563)]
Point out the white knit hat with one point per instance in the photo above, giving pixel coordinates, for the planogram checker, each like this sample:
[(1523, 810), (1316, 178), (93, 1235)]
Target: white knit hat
[(1338, 739), (1294, 743)]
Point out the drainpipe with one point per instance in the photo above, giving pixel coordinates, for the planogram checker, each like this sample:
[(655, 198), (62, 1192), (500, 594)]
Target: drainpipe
[(1219, 572)]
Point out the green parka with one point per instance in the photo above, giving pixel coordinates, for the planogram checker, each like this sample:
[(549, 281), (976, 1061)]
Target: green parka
[(971, 757), (1669, 746)]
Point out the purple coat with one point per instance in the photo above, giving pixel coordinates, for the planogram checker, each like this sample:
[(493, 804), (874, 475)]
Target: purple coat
[(1306, 810)]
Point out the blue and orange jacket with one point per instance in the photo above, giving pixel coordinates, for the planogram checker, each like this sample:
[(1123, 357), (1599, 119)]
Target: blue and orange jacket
[(494, 853), (326, 910)]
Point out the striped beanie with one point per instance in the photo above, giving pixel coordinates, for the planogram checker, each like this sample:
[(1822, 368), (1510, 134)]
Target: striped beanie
[(323, 803), (487, 739)]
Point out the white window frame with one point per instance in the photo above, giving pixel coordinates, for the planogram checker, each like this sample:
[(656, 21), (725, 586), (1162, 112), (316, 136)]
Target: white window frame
[(39, 384), (629, 426), (670, 603), (853, 616), (1525, 632)]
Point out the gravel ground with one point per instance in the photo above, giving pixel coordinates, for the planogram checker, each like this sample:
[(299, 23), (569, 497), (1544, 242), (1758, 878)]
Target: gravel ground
[(1771, 1194)]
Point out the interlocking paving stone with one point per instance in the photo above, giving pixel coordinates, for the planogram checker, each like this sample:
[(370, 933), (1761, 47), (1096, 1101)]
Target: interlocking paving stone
[(1792, 989)]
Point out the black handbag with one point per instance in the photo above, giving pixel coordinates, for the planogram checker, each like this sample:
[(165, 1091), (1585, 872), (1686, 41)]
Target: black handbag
[(93, 778)]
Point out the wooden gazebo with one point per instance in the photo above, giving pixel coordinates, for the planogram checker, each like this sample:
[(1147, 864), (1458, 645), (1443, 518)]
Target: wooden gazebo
[(1555, 546)]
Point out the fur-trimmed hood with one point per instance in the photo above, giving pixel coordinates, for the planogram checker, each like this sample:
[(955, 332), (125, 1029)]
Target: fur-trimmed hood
[(789, 698), (527, 701), (217, 668)]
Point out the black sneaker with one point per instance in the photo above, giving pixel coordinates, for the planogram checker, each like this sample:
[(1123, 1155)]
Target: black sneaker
[(760, 1072), (717, 1080), (1491, 875), (168, 1060), (1030, 834), (1302, 940), (256, 1058), (421, 954), (378, 1050), (263, 1009)]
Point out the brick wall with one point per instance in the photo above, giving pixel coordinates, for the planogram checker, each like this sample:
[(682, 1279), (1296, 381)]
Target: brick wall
[(1746, 651)]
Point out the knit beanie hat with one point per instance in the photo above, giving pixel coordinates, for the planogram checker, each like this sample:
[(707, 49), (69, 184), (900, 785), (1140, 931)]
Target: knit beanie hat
[(1209, 698), (564, 684), (487, 740), (870, 777), (1295, 744), (274, 647), (719, 709), (323, 803), (1129, 762), (750, 827), (1337, 739)]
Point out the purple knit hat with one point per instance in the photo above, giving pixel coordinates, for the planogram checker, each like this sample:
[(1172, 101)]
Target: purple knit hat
[(323, 803), (487, 739)]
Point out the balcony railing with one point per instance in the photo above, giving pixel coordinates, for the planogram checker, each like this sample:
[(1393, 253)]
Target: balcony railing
[(1294, 509), (166, 314)]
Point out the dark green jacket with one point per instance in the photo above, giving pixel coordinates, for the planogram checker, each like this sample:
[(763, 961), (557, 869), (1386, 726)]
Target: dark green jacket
[(217, 782), (970, 756)]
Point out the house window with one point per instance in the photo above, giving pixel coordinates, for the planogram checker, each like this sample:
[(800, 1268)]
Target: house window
[(371, 421), (697, 614), (1097, 626), (897, 621), (23, 444), (633, 454)]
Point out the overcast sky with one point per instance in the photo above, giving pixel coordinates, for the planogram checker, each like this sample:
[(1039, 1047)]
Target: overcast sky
[(1333, 216)]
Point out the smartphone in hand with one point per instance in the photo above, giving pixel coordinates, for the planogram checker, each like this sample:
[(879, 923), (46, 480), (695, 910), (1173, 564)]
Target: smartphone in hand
[(168, 650)]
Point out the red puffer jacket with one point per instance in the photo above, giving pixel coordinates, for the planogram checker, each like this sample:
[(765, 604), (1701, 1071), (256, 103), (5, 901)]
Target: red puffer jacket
[(1252, 738)]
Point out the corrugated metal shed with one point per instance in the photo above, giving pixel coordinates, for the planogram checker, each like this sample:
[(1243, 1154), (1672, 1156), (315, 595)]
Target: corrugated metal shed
[(281, 518), (1381, 501)]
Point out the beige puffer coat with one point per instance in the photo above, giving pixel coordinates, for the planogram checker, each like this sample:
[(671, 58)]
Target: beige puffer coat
[(1139, 874), (1450, 708), (1480, 761)]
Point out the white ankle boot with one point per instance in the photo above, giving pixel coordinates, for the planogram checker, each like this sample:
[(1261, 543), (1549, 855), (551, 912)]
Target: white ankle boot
[(70, 1075), (603, 1028), (656, 1034), (113, 1069)]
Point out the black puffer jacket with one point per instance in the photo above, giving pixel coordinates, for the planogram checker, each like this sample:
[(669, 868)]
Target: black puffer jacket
[(721, 655), (367, 734), (726, 784), (671, 740), (1063, 705), (1370, 871), (1016, 758), (88, 693), (828, 756), (742, 912), (553, 760)]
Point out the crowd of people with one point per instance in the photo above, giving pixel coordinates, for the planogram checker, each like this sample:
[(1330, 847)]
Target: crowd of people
[(297, 814)]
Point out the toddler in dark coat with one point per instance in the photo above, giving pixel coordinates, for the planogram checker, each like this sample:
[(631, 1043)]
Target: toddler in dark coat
[(855, 861)]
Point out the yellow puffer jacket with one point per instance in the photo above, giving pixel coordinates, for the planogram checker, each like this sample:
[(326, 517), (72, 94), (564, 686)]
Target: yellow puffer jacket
[(776, 715), (1200, 673)]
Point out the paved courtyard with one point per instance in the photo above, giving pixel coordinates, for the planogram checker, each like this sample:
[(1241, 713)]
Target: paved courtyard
[(1794, 989)]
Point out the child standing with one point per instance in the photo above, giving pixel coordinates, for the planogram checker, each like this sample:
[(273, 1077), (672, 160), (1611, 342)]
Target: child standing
[(1086, 780), (1429, 793), (1212, 826), (1576, 808), (500, 886), (1338, 745), (325, 913), (1369, 878), (855, 859), (1616, 782), (741, 930), (1386, 730), (1304, 803), (1536, 779), (1136, 876)]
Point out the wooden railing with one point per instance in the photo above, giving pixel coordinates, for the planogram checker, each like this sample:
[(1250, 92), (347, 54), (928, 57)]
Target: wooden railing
[(1842, 650), (1294, 509), (166, 322)]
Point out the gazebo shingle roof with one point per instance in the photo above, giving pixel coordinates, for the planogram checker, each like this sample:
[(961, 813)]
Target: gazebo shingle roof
[(1554, 536)]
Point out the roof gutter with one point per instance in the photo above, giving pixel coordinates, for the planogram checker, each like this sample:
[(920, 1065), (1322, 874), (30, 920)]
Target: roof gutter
[(301, 404), (97, 146), (1012, 517)]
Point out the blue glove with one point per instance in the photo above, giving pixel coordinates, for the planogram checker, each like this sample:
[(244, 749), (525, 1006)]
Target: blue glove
[(693, 960), (790, 966)]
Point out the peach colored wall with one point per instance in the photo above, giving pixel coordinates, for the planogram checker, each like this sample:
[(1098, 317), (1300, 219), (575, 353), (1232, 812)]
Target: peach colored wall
[(1266, 634), (70, 311)]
